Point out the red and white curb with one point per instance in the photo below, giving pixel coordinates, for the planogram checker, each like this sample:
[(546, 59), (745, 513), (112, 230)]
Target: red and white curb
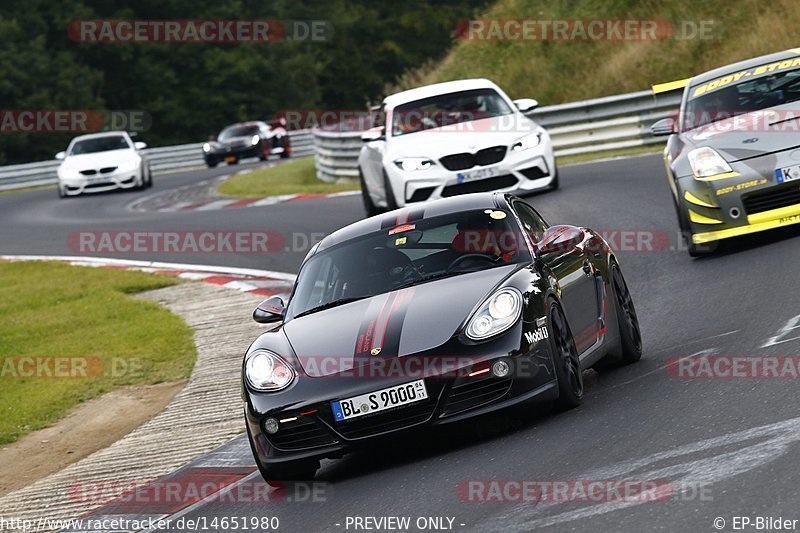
[(263, 282), (202, 196)]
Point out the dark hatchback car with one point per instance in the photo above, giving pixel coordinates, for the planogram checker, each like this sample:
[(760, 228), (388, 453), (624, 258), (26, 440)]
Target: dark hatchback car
[(247, 139), (429, 315)]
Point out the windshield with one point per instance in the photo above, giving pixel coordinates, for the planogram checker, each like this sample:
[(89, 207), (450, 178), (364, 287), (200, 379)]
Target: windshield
[(714, 103), (448, 109), (407, 255), (238, 131), (100, 144)]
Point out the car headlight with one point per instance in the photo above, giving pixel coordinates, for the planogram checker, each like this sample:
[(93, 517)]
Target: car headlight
[(266, 371), (706, 162), (254, 140), (206, 147), (529, 141), (126, 166), (67, 173), (496, 314), (411, 164)]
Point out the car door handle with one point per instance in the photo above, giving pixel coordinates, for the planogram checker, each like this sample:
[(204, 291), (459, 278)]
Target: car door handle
[(587, 267)]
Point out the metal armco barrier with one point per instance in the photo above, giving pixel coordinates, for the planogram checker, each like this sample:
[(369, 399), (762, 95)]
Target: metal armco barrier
[(588, 126), (162, 159)]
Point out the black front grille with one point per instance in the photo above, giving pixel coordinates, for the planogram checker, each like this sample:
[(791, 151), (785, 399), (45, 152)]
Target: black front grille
[(305, 432), (420, 195), (773, 198), (90, 172), (400, 417), (106, 170), (472, 392), (488, 184), (465, 160)]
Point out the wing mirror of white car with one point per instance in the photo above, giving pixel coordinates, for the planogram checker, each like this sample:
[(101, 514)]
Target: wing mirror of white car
[(665, 126), (526, 104), (140, 145), (373, 134), (269, 311), (61, 155)]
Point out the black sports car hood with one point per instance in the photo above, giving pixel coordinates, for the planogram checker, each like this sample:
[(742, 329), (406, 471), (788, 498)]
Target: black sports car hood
[(751, 134), (394, 324)]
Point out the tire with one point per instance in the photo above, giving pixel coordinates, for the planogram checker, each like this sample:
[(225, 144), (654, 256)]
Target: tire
[(212, 163), (140, 182), (263, 152), (276, 475), (369, 206), (569, 374), (61, 193), (629, 332), (391, 202), (630, 343), (149, 182)]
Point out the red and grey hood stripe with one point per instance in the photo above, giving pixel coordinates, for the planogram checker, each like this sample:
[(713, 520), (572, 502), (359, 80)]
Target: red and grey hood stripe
[(379, 334)]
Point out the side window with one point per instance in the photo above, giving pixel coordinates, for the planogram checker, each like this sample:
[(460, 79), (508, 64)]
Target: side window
[(531, 221)]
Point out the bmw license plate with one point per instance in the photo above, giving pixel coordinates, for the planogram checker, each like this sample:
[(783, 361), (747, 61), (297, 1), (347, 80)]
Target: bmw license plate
[(478, 174), (375, 402), (785, 174)]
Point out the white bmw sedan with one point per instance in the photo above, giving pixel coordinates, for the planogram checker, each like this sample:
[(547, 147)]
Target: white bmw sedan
[(453, 138), (102, 162)]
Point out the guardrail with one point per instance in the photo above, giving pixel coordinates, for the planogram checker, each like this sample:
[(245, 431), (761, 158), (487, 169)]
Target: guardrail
[(162, 160), (588, 126)]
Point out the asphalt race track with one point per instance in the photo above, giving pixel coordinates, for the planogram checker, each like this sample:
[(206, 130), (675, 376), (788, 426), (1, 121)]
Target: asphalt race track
[(727, 446)]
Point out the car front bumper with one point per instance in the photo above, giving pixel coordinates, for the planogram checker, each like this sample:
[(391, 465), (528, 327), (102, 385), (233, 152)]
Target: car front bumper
[(99, 182), (748, 200), (308, 428), (519, 172)]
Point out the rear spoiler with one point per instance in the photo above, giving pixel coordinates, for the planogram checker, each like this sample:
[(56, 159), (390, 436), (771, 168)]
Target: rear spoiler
[(670, 86)]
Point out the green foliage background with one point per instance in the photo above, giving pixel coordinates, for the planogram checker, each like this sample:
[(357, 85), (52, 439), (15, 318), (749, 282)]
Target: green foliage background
[(191, 89)]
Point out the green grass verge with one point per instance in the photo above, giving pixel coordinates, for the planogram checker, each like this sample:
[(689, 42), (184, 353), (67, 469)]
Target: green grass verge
[(85, 314), (28, 189), (293, 177), (554, 71), (610, 154)]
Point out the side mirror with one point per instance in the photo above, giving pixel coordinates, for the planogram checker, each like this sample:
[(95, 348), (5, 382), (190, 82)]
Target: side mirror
[(526, 104), (140, 145), (665, 126), (373, 134), (560, 239), (269, 311), (61, 155)]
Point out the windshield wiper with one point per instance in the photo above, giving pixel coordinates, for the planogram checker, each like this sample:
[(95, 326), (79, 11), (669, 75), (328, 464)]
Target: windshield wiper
[(334, 303)]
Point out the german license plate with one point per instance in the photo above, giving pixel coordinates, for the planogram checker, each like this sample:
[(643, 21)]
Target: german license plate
[(477, 174), (375, 402), (789, 173)]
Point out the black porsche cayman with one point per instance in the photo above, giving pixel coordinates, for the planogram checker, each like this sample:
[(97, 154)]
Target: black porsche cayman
[(429, 315)]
